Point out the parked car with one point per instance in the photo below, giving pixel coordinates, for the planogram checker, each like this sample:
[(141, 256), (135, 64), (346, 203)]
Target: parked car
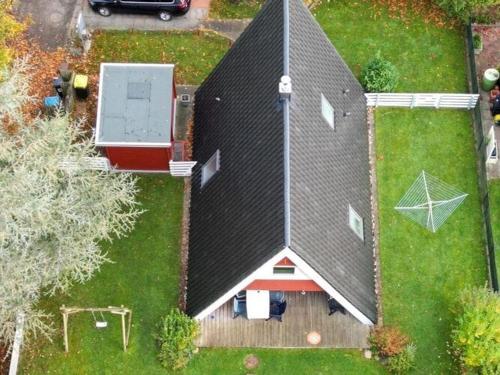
[(165, 9)]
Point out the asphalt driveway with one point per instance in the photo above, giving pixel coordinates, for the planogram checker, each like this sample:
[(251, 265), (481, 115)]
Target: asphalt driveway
[(51, 20)]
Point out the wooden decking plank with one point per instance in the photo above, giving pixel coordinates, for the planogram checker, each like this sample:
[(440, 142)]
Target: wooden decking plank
[(305, 313)]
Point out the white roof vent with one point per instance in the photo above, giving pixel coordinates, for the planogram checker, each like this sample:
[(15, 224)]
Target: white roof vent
[(285, 87)]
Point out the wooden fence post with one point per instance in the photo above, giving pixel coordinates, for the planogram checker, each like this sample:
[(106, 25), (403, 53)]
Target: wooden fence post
[(18, 340)]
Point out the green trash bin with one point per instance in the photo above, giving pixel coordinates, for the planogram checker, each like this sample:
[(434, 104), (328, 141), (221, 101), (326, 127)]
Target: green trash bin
[(490, 78)]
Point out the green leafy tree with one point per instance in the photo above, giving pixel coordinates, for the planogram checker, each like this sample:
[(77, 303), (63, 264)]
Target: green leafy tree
[(476, 337), (9, 29), (176, 339), (52, 218)]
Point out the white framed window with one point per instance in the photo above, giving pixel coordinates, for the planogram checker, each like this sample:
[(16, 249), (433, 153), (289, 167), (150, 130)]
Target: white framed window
[(210, 168), (327, 111), (356, 223)]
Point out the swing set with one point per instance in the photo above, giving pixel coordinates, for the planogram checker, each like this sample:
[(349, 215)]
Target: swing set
[(99, 324)]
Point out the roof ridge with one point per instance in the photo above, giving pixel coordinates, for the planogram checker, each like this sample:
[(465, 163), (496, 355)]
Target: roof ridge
[(286, 122)]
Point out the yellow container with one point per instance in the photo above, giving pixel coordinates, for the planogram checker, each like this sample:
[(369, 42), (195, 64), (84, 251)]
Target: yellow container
[(81, 81)]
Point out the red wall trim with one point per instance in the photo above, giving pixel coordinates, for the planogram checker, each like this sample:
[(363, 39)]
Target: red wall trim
[(140, 158), (285, 262), (285, 285)]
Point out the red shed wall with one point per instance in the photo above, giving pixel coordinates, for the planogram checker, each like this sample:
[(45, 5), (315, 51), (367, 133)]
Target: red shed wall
[(140, 158), (285, 285)]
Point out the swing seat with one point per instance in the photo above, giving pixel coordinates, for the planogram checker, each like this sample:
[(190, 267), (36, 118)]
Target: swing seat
[(99, 324)]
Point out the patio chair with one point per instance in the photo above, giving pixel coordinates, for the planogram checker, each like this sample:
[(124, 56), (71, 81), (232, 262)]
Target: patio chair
[(334, 306), (276, 296), (241, 294), (239, 305), (276, 310)]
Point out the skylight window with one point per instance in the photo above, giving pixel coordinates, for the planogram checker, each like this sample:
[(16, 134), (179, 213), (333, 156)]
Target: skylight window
[(356, 223), (327, 111), (210, 168)]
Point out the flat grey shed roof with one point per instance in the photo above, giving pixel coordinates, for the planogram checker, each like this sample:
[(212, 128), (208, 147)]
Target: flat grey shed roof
[(135, 104)]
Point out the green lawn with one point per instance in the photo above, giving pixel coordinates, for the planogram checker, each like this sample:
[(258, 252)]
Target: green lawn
[(234, 8), (194, 53), (422, 272), (284, 362), (494, 192), (428, 58), (144, 276)]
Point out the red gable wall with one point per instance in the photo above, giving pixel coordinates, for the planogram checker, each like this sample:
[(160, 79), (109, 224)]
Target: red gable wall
[(285, 262), (285, 285)]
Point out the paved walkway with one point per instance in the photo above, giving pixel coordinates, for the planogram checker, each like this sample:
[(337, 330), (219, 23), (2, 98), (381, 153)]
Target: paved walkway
[(488, 58), (231, 29), (196, 18), (184, 111), (51, 20)]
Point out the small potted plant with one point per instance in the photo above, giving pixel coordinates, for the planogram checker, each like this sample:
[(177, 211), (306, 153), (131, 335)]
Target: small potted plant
[(477, 42)]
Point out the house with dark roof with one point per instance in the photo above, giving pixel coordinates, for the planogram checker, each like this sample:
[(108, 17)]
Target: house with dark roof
[(280, 208)]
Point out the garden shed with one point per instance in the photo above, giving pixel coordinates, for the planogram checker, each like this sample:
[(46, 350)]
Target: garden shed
[(136, 115)]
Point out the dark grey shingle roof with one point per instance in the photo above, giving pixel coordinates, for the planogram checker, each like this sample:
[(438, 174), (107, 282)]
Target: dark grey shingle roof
[(237, 219), (329, 169), (135, 103)]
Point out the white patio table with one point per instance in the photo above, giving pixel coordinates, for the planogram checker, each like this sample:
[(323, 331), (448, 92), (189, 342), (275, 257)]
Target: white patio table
[(257, 304)]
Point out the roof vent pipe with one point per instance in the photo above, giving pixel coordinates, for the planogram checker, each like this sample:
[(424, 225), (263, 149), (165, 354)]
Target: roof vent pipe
[(285, 87)]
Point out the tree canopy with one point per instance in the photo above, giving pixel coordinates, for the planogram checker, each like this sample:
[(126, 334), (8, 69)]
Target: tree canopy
[(9, 28), (52, 219)]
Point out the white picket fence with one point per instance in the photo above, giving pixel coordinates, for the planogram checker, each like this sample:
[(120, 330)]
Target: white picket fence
[(177, 168), (181, 168), (88, 163), (491, 147), (467, 101)]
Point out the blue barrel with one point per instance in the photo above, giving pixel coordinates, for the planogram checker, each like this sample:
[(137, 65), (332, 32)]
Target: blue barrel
[(51, 102)]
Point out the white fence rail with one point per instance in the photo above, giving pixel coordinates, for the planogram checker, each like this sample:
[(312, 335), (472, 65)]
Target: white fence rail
[(88, 163), (181, 168), (467, 101), (177, 168)]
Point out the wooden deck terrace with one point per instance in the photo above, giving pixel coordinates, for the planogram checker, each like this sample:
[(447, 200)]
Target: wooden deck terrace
[(304, 313)]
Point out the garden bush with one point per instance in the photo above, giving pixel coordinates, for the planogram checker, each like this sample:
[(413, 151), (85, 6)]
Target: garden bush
[(176, 339), (464, 9), (403, 362), (379, 75), (477, 41), (476, 337), (388, 341)]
